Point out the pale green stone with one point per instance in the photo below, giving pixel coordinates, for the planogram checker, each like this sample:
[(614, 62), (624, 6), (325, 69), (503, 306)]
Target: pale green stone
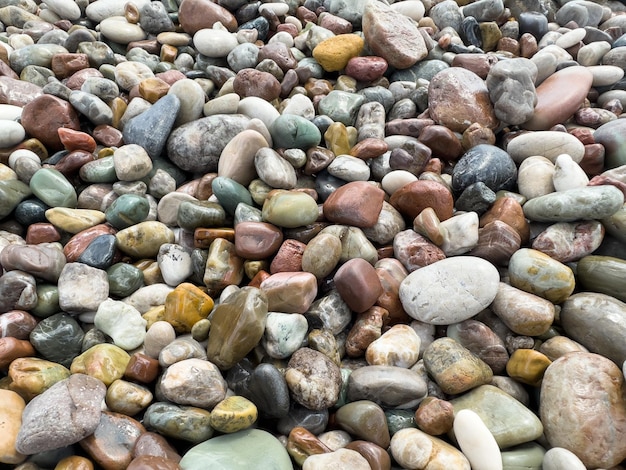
[(510, 422), (53, 188), (12, 192), (616, 224), (590, 202), (243, 450), (144, 239), (341, 106), (290, 209), (292, 131), (354, 243), (523, 457), (603, 274), (186, 423)]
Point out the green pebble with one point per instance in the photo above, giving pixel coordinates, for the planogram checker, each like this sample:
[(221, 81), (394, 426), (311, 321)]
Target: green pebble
[(99, 171), (47, 301), (290, 209), (603, 274), (341, 106), (523, 457), (186, 423), (127, 210), (230, 193), (124, 279), (194, 214), (292, 131), (12, 192), (52, 188), (400, 419), (58, 338)]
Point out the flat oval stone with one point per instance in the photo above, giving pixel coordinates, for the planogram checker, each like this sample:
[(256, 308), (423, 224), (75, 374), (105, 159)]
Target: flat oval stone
[(45, 262), (290, 209), (487, 164), (535, 272), (558, 457), (238, 451), (596, 321), (51, 187), (522, 312), (507, 430), (548, 144), (186, 423), (193, 382), (598, 379), (238, 156), (63, 415), (476, 441), (233, 414), (556, 102), (293, 131), (346, 205), (387, 386), (341, 457), (450, 290), (592, 202)]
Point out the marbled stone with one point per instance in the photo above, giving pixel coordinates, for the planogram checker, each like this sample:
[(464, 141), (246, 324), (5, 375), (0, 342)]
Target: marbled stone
[(413, 448), (487, 164), (186, 423), (599, 380), (388, 386), (523, 312), (193, 382), (104, 361)]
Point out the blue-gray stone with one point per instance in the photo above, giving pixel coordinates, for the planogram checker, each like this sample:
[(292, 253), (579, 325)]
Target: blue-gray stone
[(58, 338), (152, 128), (100, 252), (485, 163)]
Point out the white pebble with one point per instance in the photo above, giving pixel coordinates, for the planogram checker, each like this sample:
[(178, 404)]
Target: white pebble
[(122, 322), (605, 75), (214, 42), (23, 153), (349, 168), (395, 179), (476, 441), (279, 8), (144, 298), (10, 112), (11, 133), (255, 107), (568, 174), (175, 264), (117, 29), (571, 38), (66, 9), (460, 233), (559, 458)]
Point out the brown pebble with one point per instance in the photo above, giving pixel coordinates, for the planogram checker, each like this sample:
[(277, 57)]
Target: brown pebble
[(509, 211), (42, 232), (357, 203), (74, 462), (17, 323), (12, 348), (367, 328), (43, 117), (302, 443), (257, 240), (289, 257), (358, 284), (434, 416), (252, 82), (376, 456), (75, 82), (65, 65), (155, 445), (142, 368), (199, 14), (497, 241), (442, 142), (76, 140), (150, 462), (413, 198)]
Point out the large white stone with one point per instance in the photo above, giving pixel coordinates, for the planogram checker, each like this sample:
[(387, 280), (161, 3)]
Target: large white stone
[(215, 42), (11, 133), (568, 174), (66, 9), (449, 291), (476, 441), (122, 322), (117, 29), (559, 458), (549, 144)]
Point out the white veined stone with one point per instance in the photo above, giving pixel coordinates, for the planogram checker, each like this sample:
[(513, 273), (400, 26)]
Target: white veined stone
[(101, 9), (559, 458), (450, 290), (568, 174), (476, 441), (460, 233)]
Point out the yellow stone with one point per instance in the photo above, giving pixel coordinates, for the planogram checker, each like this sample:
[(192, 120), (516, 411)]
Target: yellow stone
[(127, 398), (334, 53), (336, 137), (185, 306), (168, 53), (233, 414), (31, 376), (74, 462), (144, 239), (74, 220), (105, 362), (151, 89), (154, 315), (11, 408), (527, 366), (118, 106)]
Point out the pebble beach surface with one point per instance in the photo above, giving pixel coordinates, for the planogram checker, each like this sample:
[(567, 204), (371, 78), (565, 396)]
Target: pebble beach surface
[(312, 234)]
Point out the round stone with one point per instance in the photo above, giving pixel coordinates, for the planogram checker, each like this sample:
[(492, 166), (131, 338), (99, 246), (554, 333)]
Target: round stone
[(233, 414)]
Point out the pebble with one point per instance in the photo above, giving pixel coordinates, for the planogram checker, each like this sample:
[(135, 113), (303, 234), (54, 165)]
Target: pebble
[(223, 175), (476, 441)]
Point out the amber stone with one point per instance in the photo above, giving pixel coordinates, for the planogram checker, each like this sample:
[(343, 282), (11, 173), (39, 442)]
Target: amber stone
[(509, 211), (12, 348), (302, 443), (413, 198), (76, 140), (527, 366), (142, 368), (185, 306)]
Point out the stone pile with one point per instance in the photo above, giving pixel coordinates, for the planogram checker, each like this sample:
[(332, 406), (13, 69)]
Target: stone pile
[(312, 234)]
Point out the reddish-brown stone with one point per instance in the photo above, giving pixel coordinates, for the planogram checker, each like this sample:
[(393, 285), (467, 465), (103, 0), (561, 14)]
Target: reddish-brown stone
[(75, 82), (203, 237), (289, 257), (366, 68), (358, 284), (480, 64), (369, 148), (434, 416), (66, 64), (155, 445), (42, 232), (142, 368), (497, 241), (252, 82), (71, 163), (442, 142), (509, 211), (376, 456), (279, 53), (43, 117), (17, 323), (334, 23), (195, 15), (367, 328), (602, 180), (357, 203), (593, 159), (12, 348), (108, 136), (257, 240), (148, 462), (413, 198), (79, 242), (390, 273), (76, 140), (5, 68)]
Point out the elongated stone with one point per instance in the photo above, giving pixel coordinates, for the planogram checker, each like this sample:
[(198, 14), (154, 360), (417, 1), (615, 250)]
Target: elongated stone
[(524, 313), (144, 239), (603, 274), (592, 202)]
